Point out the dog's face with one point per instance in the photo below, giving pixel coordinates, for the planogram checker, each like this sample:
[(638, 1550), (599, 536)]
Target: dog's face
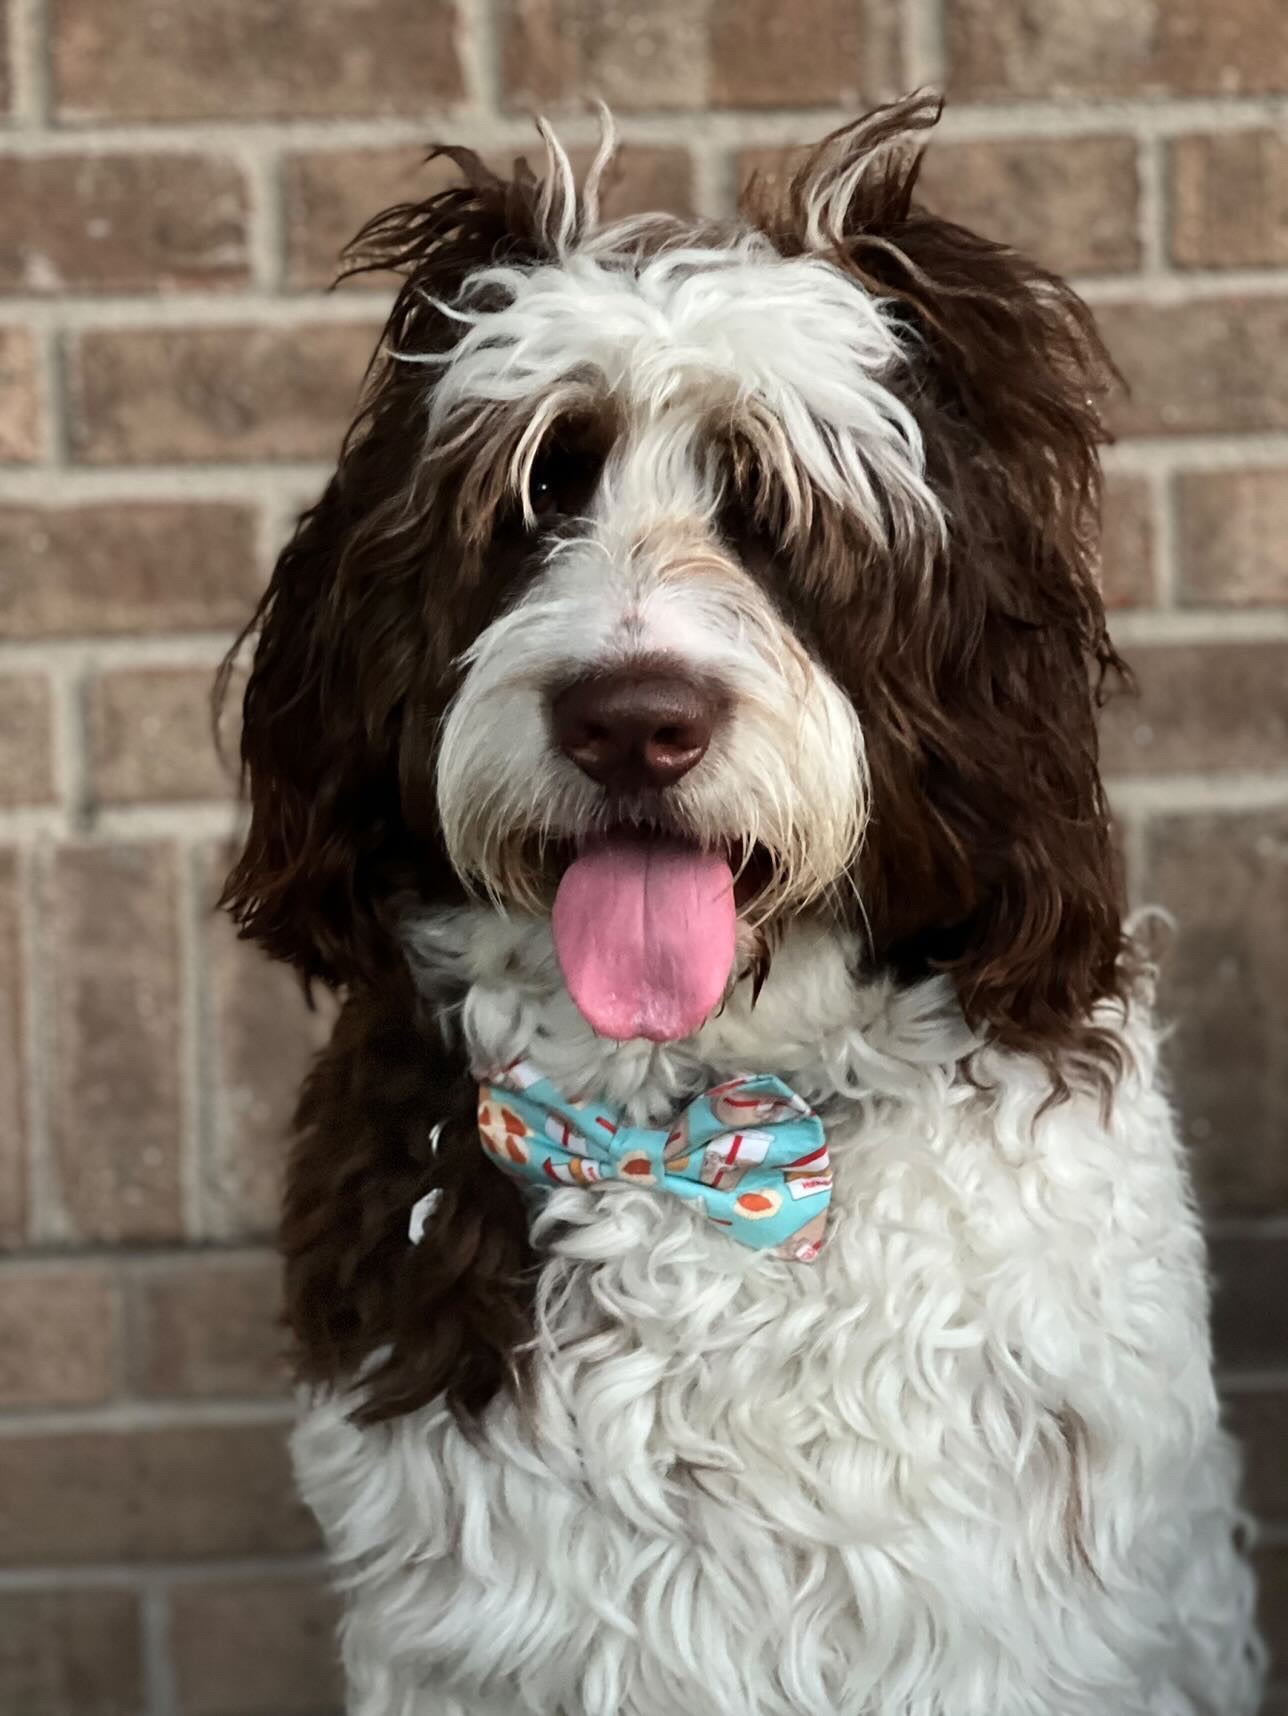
[(710, 575)]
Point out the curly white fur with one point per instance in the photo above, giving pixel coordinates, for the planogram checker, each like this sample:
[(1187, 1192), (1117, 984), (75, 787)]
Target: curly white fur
[(968, 1464)]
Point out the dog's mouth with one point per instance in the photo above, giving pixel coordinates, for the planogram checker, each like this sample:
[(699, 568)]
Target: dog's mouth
[(645, 927)]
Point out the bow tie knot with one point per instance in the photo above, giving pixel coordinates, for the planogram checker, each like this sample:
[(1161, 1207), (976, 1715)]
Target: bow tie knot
[(750, 1154)]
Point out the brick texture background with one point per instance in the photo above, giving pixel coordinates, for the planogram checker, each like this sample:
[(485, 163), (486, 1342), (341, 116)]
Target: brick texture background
[(175, 183)]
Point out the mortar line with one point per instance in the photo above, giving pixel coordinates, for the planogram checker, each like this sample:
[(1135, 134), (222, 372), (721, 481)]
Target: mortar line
[(35, 1107), (160, 1689), (1151, 211), (480, 55), (265, 223), (473, 124), (135, 1575), (925, 50), (1162, 486), (192, 1047), (29, 69)]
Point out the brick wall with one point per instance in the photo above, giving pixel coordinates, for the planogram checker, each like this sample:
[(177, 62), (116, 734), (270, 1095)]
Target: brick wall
[(175, 181)]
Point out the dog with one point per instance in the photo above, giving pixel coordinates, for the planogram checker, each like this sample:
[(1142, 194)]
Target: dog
[(738, 1254)]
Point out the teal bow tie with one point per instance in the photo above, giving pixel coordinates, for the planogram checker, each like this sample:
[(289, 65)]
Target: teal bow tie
[(750, 1153)]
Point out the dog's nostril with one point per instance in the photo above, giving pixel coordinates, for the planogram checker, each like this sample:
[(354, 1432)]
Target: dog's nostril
[(636, 727)]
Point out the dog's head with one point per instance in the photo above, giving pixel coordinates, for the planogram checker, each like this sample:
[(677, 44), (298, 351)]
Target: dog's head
[(664, 547)]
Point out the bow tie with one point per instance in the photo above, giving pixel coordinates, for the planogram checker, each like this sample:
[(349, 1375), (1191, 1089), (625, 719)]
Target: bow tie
[(750, 1154)]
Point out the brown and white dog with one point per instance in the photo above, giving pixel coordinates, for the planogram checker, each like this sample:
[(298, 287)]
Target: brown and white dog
[(763, 549)]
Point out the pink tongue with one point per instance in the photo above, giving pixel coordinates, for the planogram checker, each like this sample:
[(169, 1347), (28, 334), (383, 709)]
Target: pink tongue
[(644, 932)]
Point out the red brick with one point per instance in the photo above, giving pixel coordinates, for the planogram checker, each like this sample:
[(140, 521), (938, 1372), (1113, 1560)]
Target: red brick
[(812, 53), (1233, 537), (150, 737), (58, 1333), (114, 1066), (180, 394), (1202, 367), (1127, 543), (71, 1653), (1069, 202), (1259, 1418), (264, 1037), (252, 59), (1229, 200), (1250, 1308), (185, 1492), (22, 398), (1116, 47), (124, 223), (205, 1327), (26, 758), (126, 567), (554, 51), (13, 1142), (331, 194), (1202, 707), (1225, 879), (249, 1646)]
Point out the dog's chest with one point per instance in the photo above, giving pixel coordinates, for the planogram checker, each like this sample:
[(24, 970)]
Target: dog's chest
[(791, 1470)]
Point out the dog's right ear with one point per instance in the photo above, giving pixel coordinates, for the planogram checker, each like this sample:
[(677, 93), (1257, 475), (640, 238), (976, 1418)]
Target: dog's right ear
[(356, 633)]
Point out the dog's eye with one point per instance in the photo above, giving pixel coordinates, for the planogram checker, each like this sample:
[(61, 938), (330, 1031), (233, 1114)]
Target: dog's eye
[(542, 495), (565, 472)]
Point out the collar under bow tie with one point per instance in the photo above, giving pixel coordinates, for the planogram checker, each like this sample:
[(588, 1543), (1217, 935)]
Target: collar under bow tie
[(751, 1154)]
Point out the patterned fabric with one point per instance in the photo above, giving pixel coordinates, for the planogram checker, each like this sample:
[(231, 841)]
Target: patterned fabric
[(750, 1153)]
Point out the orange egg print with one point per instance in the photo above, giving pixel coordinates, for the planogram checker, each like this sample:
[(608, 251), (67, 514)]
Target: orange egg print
[(503, 1132), (758, 1204), (636, 1165)]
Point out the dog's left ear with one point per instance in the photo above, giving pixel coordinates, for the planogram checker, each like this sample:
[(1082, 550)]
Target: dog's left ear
[(976, 665)]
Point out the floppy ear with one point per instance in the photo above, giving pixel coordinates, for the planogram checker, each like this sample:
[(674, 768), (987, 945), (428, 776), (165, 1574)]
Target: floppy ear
[(977, 665), (360, 623)]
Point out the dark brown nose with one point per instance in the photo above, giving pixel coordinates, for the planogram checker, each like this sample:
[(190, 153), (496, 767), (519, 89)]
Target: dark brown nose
[(634, 728)]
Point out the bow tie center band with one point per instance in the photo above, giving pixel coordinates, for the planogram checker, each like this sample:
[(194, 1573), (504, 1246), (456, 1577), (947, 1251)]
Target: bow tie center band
[(750, 1154)]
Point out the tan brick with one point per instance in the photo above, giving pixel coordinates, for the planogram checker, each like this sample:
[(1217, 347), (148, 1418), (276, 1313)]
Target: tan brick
[(1202, 367), (204, 1327), (1233, 537), (1069, 202), (124, 223), (555, 51), (26, 757), (253, 1645), (71, 1653), (812, 53), (22, 398), (58, 1335), (1259, 1418), (252, 59), (1229, 200), (177, 1493), (1201, 707), (330, 194), (4, 55), (1115, 47), (114, 1067), (216, 393), (150, 737), (264, 1037), (1127, 543), (13, 1140), (1249, 1307), (1225, 880), (127, 567)]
